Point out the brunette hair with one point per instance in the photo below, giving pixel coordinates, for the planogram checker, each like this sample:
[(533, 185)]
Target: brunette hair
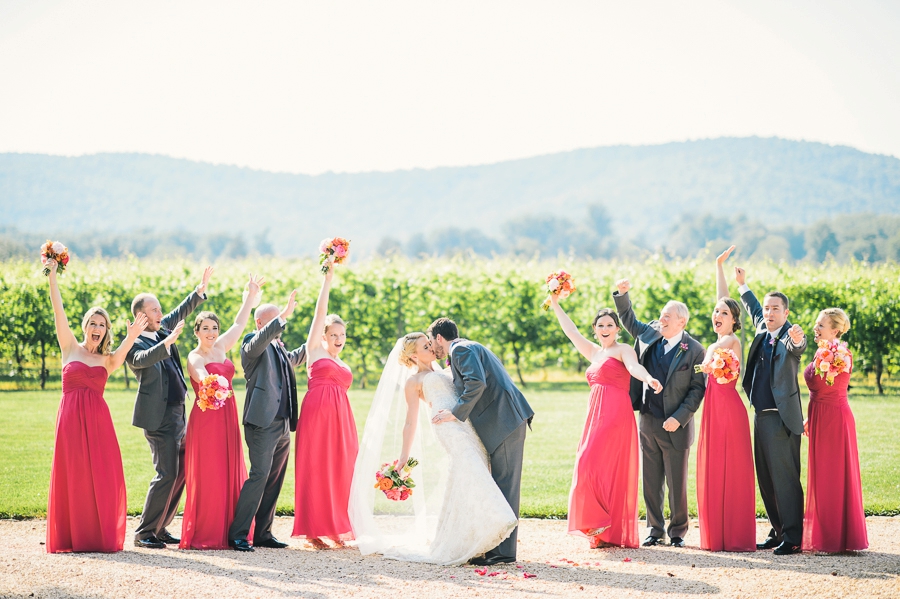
[(106, 341), (606, 312), (735, 309), (444, 327), (782, 297), (205, 315)]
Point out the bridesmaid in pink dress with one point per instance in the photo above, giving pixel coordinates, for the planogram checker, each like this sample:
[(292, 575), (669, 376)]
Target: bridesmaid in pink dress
[(213, 455), (726, 497), (603, 501), (326, 434), (835, 520), (86, 507)]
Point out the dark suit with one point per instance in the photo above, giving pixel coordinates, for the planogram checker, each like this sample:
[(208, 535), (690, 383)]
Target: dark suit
[(498, 411), (163, 421), (271, 394), (665, 455), (776, 432)]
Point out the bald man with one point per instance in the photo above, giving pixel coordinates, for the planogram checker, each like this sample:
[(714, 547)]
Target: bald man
[(270, 414)]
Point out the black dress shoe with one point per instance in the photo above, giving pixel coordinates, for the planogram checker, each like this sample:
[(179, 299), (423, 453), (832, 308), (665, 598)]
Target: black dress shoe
[(676, 542), (272, 543), (168, 539), (787, 549), (492, 560), (240, 545), (651, 541), (149, 543), (770, 543)]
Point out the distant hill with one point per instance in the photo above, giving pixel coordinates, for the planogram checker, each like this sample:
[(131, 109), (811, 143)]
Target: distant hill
[(645, 188)]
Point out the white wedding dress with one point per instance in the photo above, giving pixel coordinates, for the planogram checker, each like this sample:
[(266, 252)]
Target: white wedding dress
[(472, 515)]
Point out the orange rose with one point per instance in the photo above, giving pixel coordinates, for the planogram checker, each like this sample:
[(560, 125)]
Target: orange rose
[(385, 483), (718, 373)]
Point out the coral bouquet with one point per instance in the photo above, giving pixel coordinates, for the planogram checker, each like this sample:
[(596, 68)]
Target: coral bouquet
[(561, 284), (333, 251), (394, 482), (54, 250), (832, 358), (723, 365), (213, 393)]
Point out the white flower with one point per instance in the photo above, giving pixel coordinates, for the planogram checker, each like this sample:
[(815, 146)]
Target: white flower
[(223, 382), (57, 247), (553, 285)]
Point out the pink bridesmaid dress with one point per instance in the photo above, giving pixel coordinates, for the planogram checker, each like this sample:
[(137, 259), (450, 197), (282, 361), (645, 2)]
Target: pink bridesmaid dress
[(605, 480), (214, 470), (835, 520), (726, 496), (87, 504), (325, 454)]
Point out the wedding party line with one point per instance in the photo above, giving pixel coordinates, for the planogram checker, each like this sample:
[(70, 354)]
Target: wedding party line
[(447, 415)]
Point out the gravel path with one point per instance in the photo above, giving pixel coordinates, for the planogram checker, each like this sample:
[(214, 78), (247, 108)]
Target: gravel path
[(562, 566)]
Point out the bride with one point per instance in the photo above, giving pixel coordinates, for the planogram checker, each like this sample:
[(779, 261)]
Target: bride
[(456, 512)]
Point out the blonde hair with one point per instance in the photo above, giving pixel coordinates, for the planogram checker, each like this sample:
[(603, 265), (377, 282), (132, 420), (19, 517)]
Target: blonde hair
[(333, 319), (409, 348), (838, 319), (105, 342)]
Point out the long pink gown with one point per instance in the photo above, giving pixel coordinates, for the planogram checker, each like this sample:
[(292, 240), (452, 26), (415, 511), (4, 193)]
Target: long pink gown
[(214, 470), (835, 520), (86, 508), (726, 496), (325, 454), (605, 480)]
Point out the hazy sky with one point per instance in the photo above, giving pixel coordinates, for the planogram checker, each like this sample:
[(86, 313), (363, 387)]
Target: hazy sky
[(364, 85)]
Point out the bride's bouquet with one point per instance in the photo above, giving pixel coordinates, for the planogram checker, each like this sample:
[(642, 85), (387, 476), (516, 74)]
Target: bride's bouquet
[(723, 365), (54, 250), (832, 358), (333, 251), (395, 483), (213, 392), (561, 284)]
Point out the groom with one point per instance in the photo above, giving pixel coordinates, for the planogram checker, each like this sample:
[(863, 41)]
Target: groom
[(770, 380), (669, 354), (159, 409), (270, 414), (498, 412)]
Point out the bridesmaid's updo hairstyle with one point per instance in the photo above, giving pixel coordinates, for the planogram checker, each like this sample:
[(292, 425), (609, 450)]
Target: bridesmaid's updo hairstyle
[(838, 319), (334, 319), (105, 342), (735, 309), (205, 315), (606, 312), (409, 349)]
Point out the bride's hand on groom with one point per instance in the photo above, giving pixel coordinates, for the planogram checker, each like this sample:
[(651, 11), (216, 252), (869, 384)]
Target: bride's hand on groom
[(443, 416)]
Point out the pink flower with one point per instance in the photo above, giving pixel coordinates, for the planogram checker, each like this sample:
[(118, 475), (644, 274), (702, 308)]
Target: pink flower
[(393, 494), (404, 494), (340, 251), (324, 246)]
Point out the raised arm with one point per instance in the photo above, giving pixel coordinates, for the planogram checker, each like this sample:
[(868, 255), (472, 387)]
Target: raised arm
[(584, 345), (721, 283), (144, 358), (64, 334), (228, 339), (748, 298), (134, 329), (314, 339), (190, 303), (412, 418), (635, 327)]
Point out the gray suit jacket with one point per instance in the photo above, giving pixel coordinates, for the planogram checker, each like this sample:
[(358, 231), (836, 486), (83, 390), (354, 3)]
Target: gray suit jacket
[(785, 366), (262, 370), (487, 396), (683, 389), (145, 359)]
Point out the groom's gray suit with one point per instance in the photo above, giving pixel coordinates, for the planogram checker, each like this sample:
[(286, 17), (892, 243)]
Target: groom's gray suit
[(665, 455), (770, 380), (498, 411), (270, 413), (159, 410)]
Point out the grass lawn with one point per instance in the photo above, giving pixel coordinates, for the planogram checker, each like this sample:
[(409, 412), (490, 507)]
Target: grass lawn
[(27, 420)]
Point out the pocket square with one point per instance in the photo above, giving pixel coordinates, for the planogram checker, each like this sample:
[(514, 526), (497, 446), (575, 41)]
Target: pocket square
[(683, 368)]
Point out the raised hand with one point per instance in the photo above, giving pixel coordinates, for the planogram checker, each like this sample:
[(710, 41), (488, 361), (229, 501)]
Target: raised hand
[(173, 336), (52, 265), (796, 334), (291, 304), (721, 258), (623, 285), (137, 327), (740, 275), (204, 282), (254, 285)]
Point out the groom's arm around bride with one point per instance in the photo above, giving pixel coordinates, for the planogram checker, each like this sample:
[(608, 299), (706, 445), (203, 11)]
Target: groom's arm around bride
[(497, 410)]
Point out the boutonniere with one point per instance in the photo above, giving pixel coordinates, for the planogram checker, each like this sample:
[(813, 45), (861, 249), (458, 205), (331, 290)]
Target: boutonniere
[(682, 347)]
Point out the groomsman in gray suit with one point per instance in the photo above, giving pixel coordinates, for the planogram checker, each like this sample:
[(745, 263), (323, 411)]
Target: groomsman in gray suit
[(669, 354), (159, 409), (497, 410), (770, 380), (270, 414)]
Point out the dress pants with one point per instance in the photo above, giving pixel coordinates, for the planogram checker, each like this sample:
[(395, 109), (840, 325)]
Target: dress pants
[(777, 456), (663, 464), (164, 495), (506, 469)]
